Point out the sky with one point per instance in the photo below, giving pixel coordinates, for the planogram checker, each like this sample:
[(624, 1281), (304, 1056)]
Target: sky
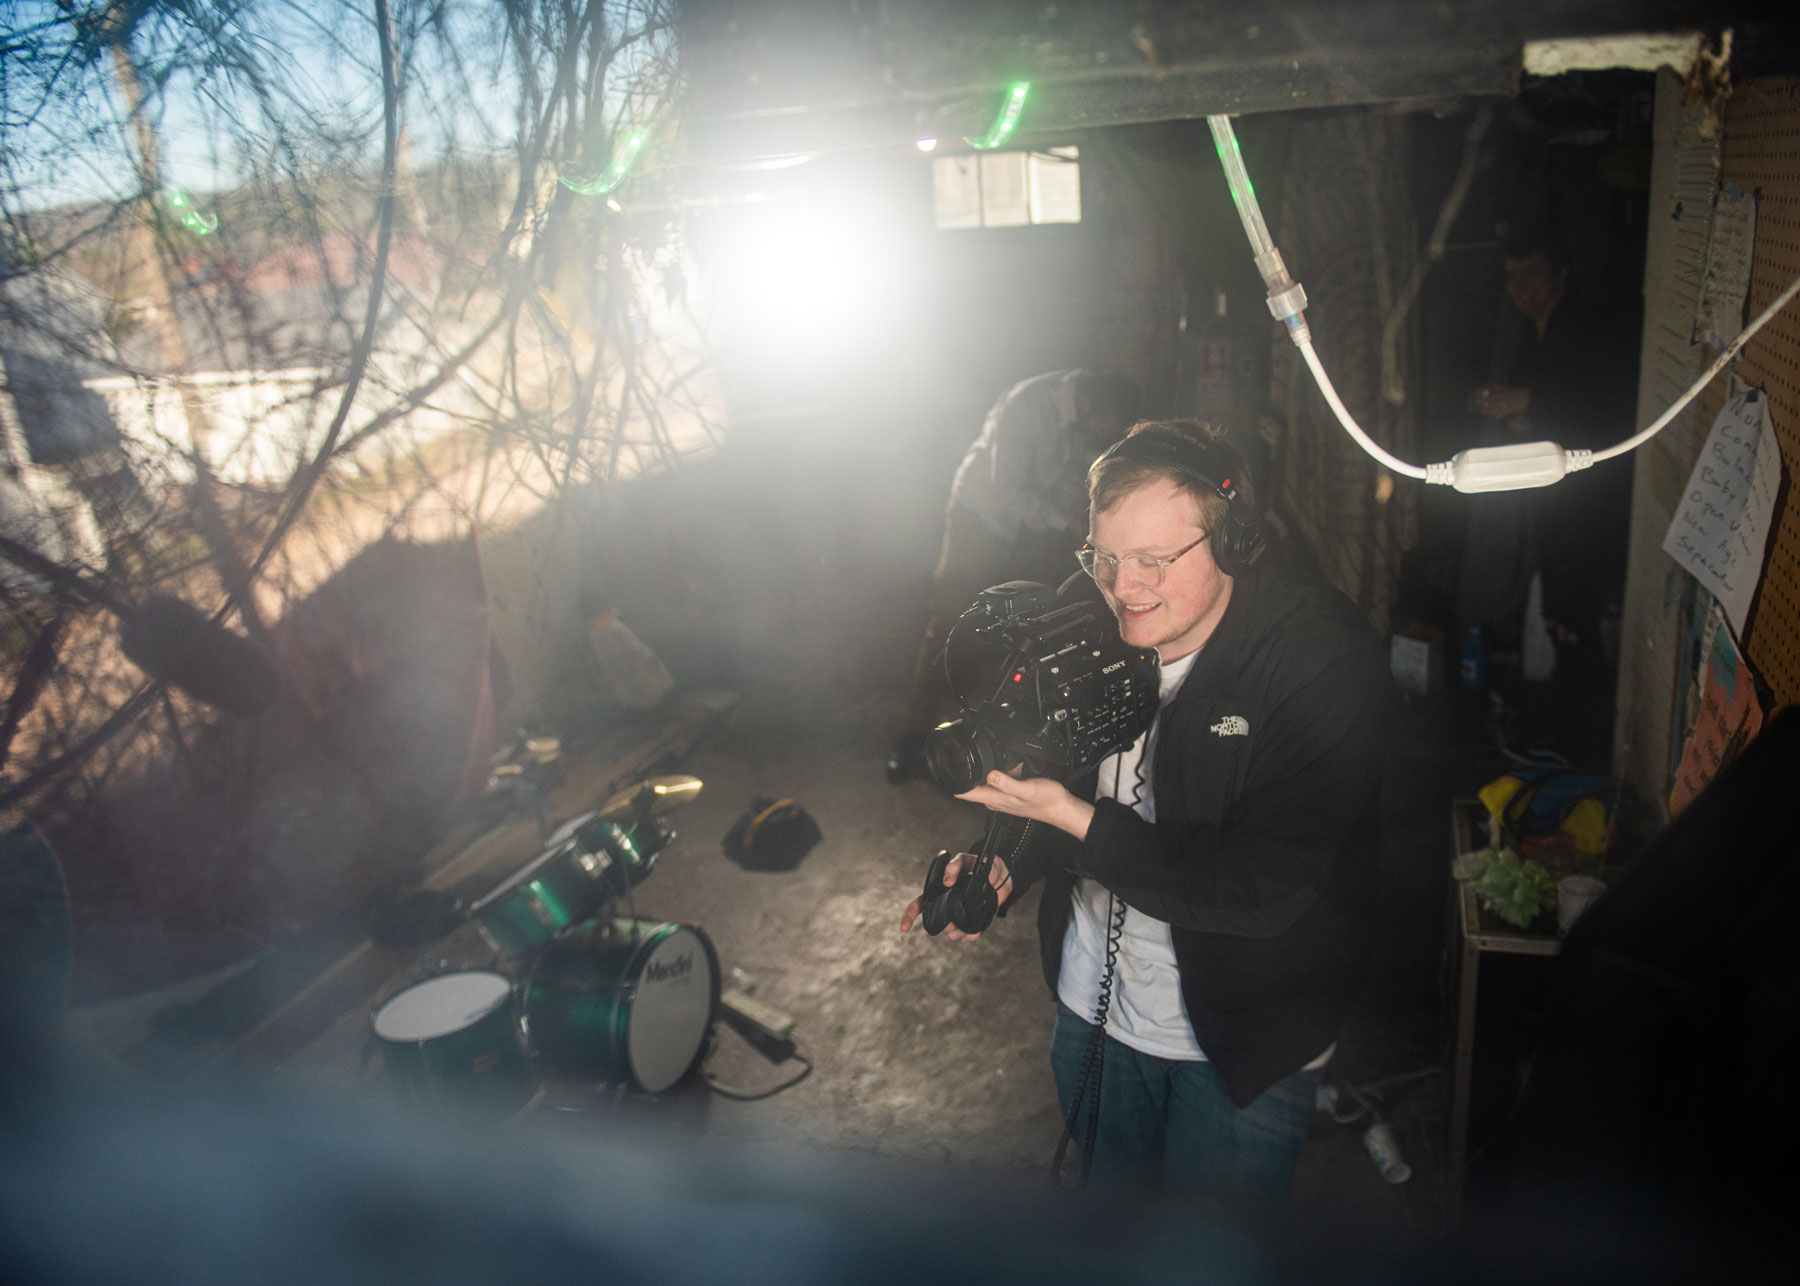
[(316, 102)]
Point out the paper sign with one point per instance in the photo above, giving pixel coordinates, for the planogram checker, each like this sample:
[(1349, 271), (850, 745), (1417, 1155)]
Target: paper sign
[(1722, 527), (1730, 715), (1720, 317)]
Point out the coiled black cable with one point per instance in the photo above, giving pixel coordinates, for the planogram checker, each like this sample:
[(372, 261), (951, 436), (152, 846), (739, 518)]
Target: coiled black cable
[(1093, 1067)]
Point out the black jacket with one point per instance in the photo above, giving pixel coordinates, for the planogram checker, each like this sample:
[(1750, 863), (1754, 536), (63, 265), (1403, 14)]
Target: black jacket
[(1263, 856)]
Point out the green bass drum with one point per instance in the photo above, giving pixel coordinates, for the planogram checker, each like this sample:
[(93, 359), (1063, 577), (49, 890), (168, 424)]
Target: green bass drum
[(625, 1001)]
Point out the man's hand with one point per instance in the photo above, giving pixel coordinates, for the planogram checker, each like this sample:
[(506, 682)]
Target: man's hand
[(998, 876), (1036, 798)]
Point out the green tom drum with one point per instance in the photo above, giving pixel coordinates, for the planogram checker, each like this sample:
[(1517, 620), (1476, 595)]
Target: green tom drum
[(629, 851), (557, 890), (455, 1037), (627, 1001)]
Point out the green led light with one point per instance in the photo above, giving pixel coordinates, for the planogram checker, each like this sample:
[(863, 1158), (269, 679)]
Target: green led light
[(601, 184), (199, 222), (1010, 107)]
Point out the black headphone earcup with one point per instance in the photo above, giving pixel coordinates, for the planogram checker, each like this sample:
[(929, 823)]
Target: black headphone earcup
[(1251, 541), (934, 900), (1223, 546), (934, 911), (1238, 544), (976, 904)]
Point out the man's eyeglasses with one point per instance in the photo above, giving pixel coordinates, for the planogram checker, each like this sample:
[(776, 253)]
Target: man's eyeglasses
[(1142, 568)]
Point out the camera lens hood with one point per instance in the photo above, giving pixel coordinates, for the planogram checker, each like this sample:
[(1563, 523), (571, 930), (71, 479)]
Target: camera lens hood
[(959, 755)]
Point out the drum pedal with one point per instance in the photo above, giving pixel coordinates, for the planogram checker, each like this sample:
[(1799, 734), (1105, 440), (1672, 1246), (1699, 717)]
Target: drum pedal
[(764, 1026)]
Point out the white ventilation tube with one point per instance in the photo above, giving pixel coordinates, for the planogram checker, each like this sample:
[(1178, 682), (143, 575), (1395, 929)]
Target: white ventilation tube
[(1505, 468)]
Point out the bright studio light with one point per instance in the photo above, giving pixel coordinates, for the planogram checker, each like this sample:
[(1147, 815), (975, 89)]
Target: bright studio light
[(926, 144), (807, 279)]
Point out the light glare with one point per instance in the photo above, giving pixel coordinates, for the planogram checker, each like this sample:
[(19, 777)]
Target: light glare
[(811, 276)]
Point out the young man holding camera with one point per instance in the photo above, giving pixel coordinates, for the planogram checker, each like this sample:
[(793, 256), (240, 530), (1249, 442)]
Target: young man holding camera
[(1208, 893)]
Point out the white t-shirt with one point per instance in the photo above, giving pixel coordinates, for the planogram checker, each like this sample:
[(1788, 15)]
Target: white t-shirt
[(1147, 1011)]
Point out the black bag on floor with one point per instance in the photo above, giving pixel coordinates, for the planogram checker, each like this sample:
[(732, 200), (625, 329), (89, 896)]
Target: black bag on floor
[(772, 835)]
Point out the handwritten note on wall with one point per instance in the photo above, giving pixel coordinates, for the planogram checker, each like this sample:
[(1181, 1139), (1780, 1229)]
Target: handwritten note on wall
[(1722, 527), (1720, 317)]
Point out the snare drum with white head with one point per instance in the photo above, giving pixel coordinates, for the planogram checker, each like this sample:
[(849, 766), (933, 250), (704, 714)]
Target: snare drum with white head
[(454, 1037)]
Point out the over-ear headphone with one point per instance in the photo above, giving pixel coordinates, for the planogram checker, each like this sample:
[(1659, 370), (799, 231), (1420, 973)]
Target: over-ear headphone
[(970, 904), (1238, 540)]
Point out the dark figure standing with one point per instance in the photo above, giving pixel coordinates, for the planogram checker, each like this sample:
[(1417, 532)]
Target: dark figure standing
[(1573, 381)]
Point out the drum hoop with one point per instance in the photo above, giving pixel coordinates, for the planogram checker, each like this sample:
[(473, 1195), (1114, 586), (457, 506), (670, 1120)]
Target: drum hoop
[(518, 882)]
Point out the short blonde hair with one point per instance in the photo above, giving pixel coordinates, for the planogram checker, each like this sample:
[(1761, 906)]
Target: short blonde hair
[(1110, 481)]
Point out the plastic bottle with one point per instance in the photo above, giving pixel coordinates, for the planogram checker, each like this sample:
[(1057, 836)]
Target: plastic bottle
[(1474, 660), (1384, 1150)]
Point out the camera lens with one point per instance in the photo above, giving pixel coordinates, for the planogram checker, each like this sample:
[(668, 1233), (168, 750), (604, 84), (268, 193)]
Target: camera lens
[(959, 756)]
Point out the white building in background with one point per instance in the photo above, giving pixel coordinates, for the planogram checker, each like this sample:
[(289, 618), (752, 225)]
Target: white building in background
[(59, 447), (98, 438)]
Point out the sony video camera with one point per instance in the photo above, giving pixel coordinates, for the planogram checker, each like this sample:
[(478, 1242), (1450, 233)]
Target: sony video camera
[(1041, 681)]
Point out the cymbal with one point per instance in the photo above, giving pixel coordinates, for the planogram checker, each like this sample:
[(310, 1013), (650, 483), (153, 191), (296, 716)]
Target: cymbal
[(666, 794)]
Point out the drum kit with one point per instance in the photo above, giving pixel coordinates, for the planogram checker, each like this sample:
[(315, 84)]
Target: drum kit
[(581, 992)]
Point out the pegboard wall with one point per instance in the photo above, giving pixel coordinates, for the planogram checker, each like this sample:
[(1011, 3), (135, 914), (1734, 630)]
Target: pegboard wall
[(1760, 152)]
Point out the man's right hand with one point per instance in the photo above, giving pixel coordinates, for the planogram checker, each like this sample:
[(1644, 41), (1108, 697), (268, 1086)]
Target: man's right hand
[(998, 876)]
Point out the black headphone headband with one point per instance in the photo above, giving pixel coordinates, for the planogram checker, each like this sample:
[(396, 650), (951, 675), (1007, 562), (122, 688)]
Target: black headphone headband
[(1238, 539), (1189, 458)]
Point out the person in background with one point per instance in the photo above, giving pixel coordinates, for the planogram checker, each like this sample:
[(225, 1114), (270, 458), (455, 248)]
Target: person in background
[(1573, 381), (1017, 509)]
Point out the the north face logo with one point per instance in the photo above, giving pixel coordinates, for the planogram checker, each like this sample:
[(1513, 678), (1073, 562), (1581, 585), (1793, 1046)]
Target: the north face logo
[(1232, 725)]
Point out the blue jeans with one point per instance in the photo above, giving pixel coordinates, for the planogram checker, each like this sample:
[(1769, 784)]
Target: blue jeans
[(1168, 1125)]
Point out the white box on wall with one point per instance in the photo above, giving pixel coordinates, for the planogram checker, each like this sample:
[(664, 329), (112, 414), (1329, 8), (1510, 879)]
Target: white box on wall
[(1416, 660)]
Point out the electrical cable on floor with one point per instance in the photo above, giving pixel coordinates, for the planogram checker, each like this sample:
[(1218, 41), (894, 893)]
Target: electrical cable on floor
[(1514, 467), (742, 1095), (769, 1033)]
